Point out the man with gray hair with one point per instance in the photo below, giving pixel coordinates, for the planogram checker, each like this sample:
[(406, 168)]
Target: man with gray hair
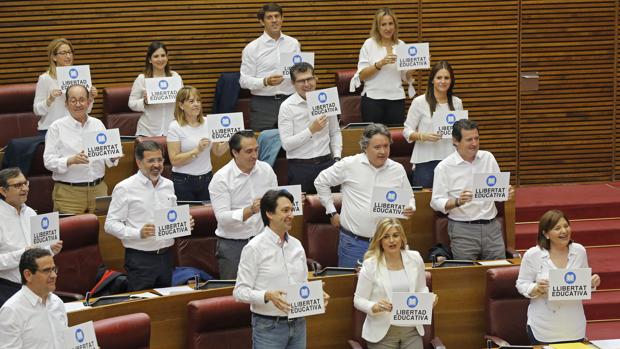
[(358, 175)]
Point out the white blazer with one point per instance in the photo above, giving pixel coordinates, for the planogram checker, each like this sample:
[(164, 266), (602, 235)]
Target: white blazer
[(374, 283)]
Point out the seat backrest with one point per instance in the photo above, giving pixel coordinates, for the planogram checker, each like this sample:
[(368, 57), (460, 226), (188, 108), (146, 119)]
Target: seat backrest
[(132, 331), (80, 257), (41, 183), (320, 238), (400, 150), (161, 140), (219, 322), (198, 249), (16, 115), (117, 112), (349, 101), (506, 308)]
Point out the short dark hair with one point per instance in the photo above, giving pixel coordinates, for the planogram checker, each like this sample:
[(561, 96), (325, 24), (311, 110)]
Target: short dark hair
[(545, 224), (234, 143), (146, 146), (72, 86), (270, 7), (7, 174), (28, 260), (269, 202), (370, 131), (300, 67), (460, 125)]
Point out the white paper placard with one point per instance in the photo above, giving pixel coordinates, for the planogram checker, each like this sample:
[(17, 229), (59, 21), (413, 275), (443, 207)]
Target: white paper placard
[(443, 121), (222, 126), (323, 102), (104, 144), (491, 186), (570, 284), (44, 229), (305, 299), (73, 75), (412, 56), (390, 202), (81, 336), (289, 59), (162, 90), (410, 309), (172, 222), (295, 190)]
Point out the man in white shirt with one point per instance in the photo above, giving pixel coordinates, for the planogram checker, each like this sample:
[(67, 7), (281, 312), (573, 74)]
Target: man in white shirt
[(358, 175), (474, 232), (34, 317), (269, 263), (15, 236), (260, 70), (311, 144), (235, 192), (78, 179)]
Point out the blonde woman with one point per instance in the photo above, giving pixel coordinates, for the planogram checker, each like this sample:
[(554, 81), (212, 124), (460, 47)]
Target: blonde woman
[(389, 267), (189, 148)]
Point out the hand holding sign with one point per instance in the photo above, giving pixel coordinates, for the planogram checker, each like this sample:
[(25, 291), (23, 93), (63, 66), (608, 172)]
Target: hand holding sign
[(382, 305), (278, 298), (274, 80), (147, 231), (318, 124), (55, 93), (77, 159)]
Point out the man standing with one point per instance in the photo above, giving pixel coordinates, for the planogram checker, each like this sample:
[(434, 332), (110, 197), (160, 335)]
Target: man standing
[(311, 144), (15, 235), (34, 317), (78, 179), (474, 232), (260, 70), (358, 175), (235, 192)]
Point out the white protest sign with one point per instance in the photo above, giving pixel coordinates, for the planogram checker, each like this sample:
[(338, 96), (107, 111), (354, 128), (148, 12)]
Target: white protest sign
[(162, 90), (222, 126), (305, 299), (412, 56), (323, 102), (289, 59), (295, 190), (443, 121), (81, 336), (390, 202), (44, 229), (172, 222), (104, 144), (410, 309), (570, 284), (491, 186), (73, 75)]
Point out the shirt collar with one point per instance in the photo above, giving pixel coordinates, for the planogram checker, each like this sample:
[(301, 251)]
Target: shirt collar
[(237, 171), (145, 180), (571, 252), (460, 160), (274, 237), (5, 206), (296, 99), (77, 123), (364, 160), (32, 297), (266, 38)]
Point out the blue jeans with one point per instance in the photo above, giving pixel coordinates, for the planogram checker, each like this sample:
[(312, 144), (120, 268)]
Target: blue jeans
[(278, 334), (191, 188), (350, 250)]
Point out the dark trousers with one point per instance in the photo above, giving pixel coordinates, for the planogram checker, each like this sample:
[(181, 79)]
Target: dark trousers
[(305, 173), (7, 290), (147, 270), (385, 111), (534, 341), (264, 111), (191, 188), (228, 253), (424, 173)]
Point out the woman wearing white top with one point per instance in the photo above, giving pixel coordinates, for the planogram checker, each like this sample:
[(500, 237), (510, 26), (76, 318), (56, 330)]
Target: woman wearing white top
[(155, 118), (189, 148), (388, 267), (429, 148), (552, 321), (49, 103), (383, 96)]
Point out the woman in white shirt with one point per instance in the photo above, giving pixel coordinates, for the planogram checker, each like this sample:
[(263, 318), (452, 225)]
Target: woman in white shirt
[(49, 101), (155, 118), (430, 148), (383, 96), (189, 148), (552, 321), (388, 267)]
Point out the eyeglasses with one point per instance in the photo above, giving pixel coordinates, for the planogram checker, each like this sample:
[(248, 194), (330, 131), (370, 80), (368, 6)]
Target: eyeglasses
[(306, 81), (64, 53), (75, 101), (48, 271), (18, 185)]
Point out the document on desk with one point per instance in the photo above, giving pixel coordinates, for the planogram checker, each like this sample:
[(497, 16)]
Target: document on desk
[(167, 291), (575, 345), (74, 306), (144, 295), (495, 263), (606, 343)]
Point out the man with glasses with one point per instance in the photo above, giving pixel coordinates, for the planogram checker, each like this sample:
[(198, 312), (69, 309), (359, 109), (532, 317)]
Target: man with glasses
[(15, 236), (78, 180), (311, 143), (34, 317)]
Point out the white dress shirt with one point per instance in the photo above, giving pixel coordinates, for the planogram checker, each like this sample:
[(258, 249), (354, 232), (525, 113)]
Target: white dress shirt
[(551, 321), (260, 59), (14, 238), (62, 141), (357, 178), (387, 83), (268, 263), (189, 137), (155, 118), (26, 323), (299, 143), (452, 176), (419, 119), (134, 201), (57, 110), (231, 191)]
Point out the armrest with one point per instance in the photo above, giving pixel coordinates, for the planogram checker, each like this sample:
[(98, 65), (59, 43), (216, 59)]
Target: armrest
[(496, 340), (354, 344), (512, 253), (437, 343), (69, 296), (313, 265)]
